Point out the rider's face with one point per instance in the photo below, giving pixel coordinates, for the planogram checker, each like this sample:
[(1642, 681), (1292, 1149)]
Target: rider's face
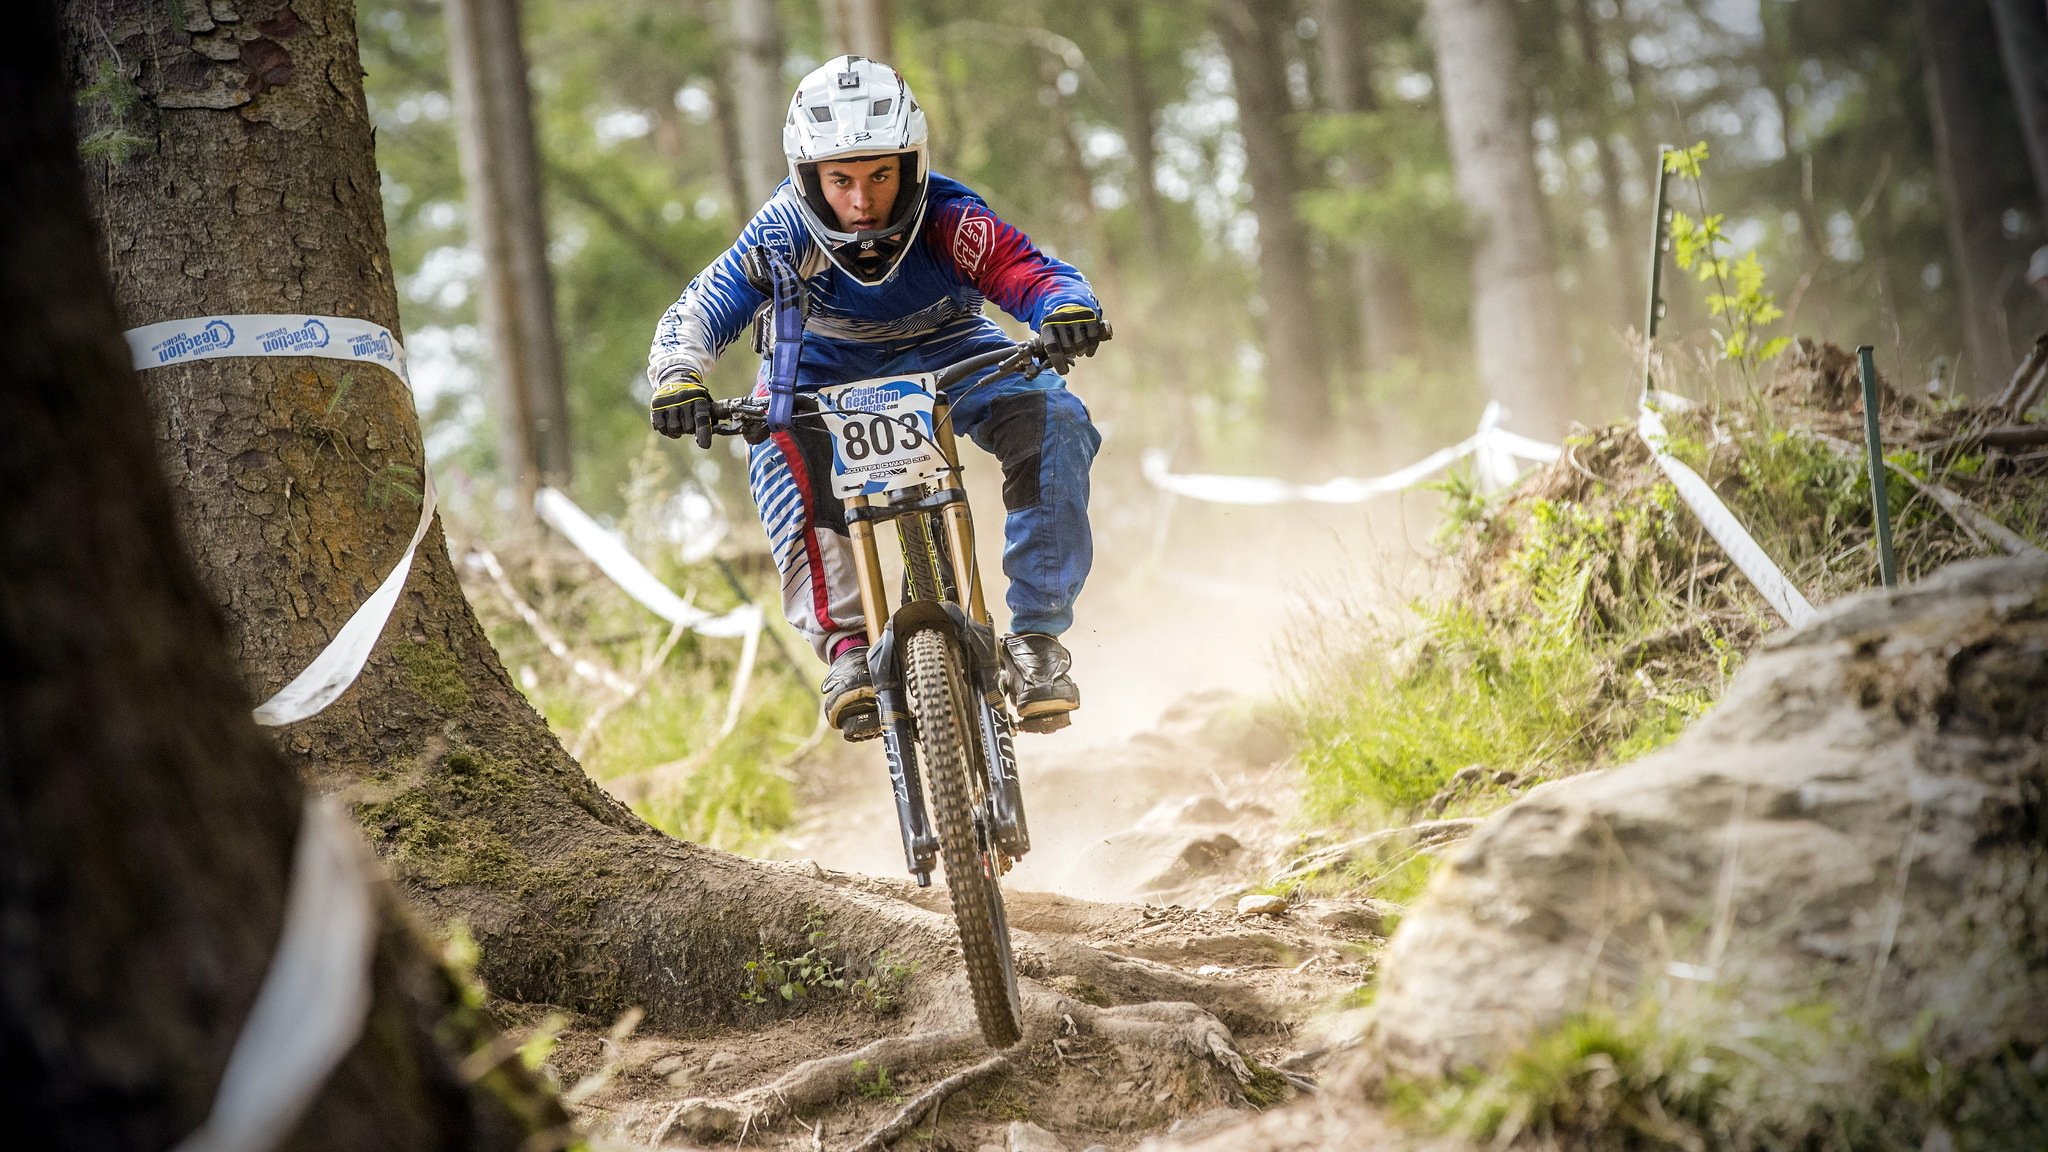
[(862, 192)]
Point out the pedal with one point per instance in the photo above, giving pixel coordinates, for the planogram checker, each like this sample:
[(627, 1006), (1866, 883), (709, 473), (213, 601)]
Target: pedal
[(1045, 721), (860, 724)]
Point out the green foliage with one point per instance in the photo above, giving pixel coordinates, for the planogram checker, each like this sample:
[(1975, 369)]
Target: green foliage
[(1532, 679), (776, 977), (881, 990), (459, 956), (113, 97), (1703, 1076), (772, 976), (1741, 303), (872, 1080), (540, 1041)]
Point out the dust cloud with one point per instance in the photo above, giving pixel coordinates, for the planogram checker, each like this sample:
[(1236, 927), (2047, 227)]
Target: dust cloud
[(1165, 787)]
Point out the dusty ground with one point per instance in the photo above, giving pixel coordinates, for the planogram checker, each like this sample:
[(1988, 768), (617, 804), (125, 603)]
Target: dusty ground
[(1165, 829)]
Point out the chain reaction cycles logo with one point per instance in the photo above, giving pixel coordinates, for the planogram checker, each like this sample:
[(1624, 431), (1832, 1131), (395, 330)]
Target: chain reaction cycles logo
[(872, 399), (373, 346), (311, 334), (214, 337)]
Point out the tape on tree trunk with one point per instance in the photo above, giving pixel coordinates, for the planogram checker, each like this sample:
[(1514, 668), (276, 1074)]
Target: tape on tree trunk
[(1722, 525), (1496, 447), (332, 338), (314, 998)]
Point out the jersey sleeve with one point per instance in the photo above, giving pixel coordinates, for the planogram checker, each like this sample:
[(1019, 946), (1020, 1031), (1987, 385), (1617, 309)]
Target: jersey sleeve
[(1002, 263), (716, 306)]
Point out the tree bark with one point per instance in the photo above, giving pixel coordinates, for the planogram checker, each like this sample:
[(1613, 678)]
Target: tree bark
[(501, 175), (1386, 308), (760, 98), (146, 826), (1517, 328), (2023, 43), (1297, 383), (1141, 114), (1968, 171), (861, 28)]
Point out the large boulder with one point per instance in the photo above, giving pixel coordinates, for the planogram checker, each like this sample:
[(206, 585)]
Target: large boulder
[(1862, 823)]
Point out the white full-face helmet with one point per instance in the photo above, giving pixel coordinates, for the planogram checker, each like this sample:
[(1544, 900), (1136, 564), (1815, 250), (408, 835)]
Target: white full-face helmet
[(854, 108)]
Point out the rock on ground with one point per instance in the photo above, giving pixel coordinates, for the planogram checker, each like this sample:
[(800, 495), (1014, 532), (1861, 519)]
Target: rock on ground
[(1862, 822)]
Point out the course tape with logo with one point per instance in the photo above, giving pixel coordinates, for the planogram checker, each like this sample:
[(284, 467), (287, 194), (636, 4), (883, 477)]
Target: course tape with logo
[(1719, 522), (1497, 450), (314, 997), (609, 553), (332, 338)]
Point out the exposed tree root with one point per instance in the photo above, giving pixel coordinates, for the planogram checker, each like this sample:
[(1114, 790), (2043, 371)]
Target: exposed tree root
[(929, 1099), (816, 1083), (1179, 1035)]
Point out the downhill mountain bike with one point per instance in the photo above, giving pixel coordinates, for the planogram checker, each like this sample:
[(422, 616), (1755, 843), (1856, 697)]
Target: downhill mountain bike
[(946, 726)]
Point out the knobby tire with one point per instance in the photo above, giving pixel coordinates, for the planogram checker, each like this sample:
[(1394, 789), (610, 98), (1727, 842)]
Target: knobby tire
[(943, 707)]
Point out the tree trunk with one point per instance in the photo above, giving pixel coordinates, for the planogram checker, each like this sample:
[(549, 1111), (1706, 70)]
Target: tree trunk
[(1386, 309), (1517, 327), (1968, 170), (2023, 42), (501, 174), (861, 28), (261, 195), (1599, 84), (1141, 113), (760, 98), (147, 827), (1296, 379), (1080, 181), (725, 120)]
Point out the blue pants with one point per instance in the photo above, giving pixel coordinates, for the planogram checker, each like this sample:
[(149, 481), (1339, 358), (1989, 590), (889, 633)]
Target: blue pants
[(1036, 429)]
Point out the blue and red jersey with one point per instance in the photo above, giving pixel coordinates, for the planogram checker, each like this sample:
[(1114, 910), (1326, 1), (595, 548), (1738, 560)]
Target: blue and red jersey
[(963, 255)]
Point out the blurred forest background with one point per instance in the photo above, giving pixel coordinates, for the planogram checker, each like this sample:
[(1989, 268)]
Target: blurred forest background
[(1327, 232), (1347, 220)]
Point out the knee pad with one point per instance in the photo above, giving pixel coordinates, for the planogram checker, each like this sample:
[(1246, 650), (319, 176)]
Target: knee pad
[(1015, 432)]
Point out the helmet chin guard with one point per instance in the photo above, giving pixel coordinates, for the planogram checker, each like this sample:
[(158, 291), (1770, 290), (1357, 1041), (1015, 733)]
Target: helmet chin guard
[(854, 108)]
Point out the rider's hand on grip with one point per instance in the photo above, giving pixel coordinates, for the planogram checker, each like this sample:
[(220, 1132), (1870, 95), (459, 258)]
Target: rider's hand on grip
[(1071, 331), (682, 405)]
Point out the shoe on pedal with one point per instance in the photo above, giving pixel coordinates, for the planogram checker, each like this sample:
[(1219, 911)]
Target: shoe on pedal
[(1035, 675), (850, 696)]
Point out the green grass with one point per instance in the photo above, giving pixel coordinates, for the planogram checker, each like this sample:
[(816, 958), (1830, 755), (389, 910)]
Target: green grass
[(1704, 1076), (1531, 674), (661, 747), (1586, 617)]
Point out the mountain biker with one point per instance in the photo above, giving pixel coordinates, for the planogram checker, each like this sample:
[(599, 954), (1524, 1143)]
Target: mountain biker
[(895, 261)]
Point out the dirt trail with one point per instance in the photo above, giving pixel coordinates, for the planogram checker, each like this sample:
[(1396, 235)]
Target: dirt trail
[(1161, 790), (1166, 800)]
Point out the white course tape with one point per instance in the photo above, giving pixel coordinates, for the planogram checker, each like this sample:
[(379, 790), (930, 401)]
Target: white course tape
[(1496, 447), (609, 553), (338, 664), (211, 337), (1722, 525), (331, 338), (314, 998)]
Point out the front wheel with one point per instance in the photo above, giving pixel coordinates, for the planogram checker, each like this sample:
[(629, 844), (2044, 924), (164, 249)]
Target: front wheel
[(942, 704)]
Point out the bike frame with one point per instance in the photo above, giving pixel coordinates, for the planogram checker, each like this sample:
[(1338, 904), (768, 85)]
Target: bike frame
[(942, 504)]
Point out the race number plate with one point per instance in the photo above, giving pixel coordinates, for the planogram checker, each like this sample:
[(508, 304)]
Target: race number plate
[(883, 436)]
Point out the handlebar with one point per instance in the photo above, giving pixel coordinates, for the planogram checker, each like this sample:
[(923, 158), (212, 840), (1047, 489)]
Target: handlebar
[(738, 416)]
